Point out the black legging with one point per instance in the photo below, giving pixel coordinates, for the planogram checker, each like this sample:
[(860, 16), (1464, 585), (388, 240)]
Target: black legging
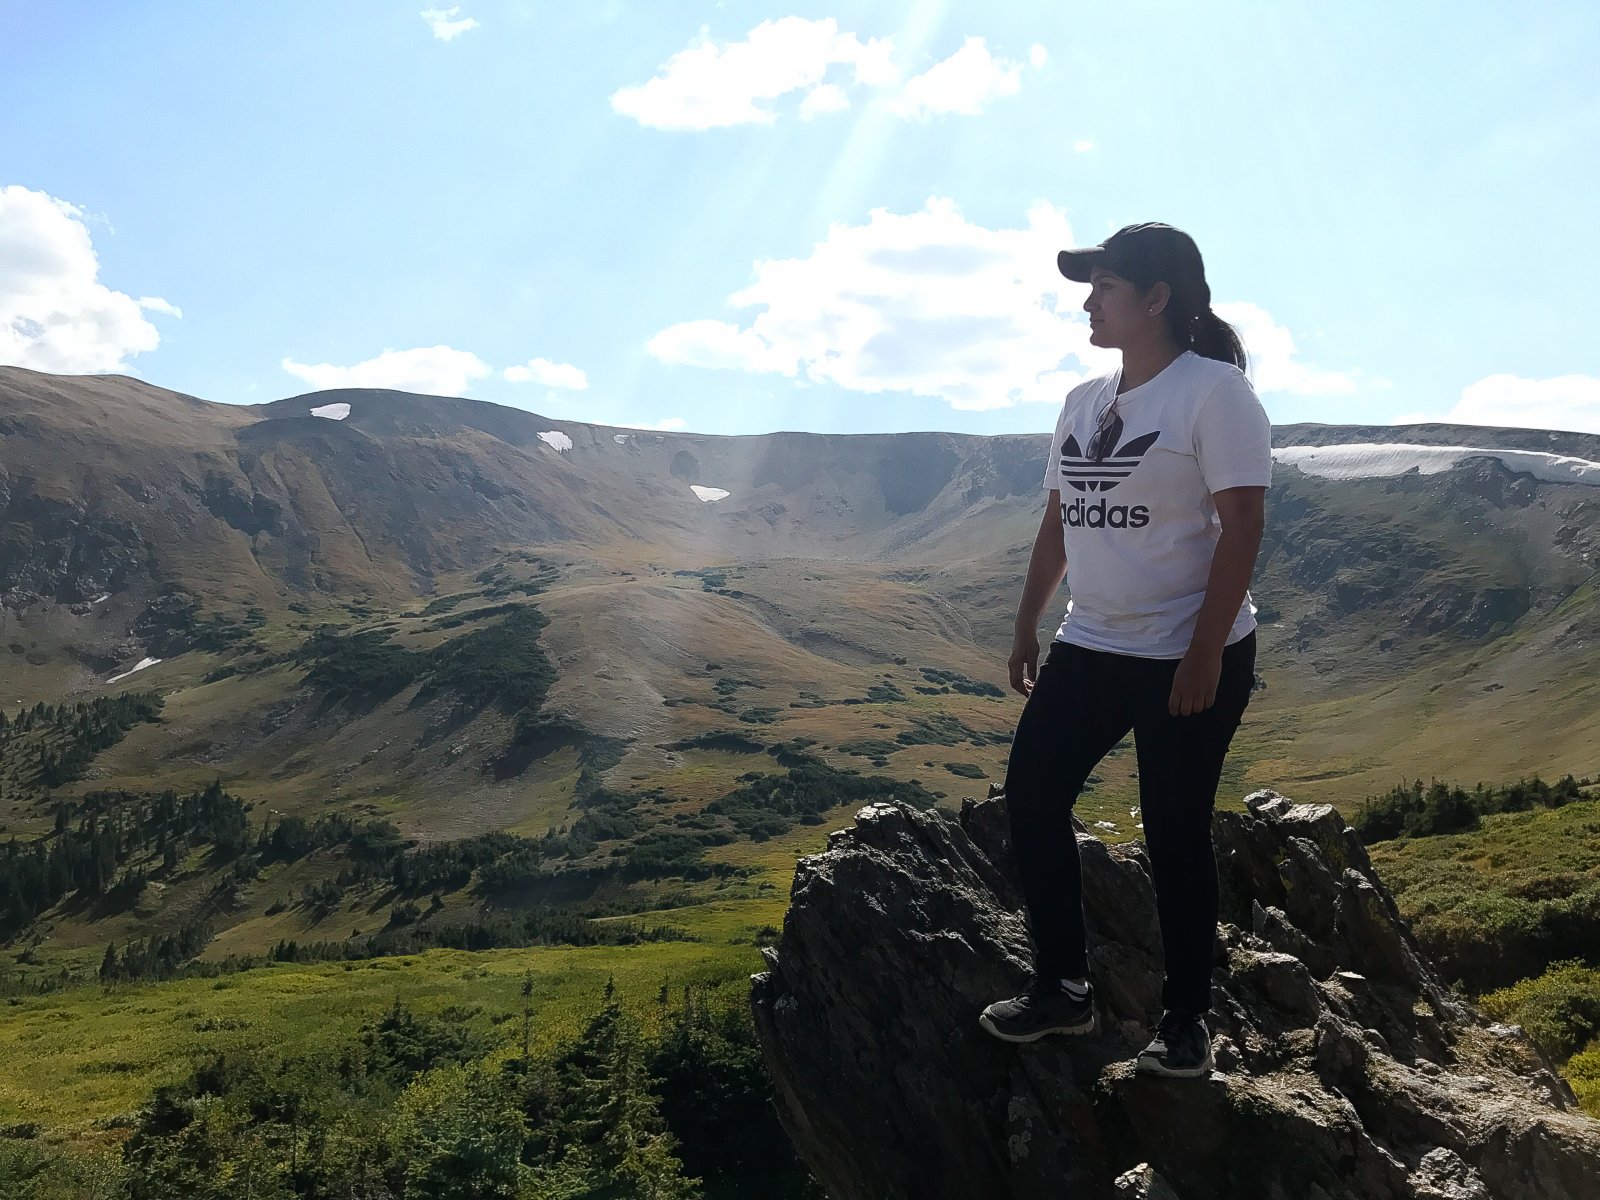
[(1083, 703)]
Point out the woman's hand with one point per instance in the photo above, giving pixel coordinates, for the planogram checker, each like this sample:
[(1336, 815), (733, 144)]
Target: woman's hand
[(1194, 687), (1024, 661)]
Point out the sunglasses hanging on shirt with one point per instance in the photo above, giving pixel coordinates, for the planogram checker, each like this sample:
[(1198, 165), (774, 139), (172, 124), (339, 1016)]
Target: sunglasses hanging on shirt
[(1107, 429)]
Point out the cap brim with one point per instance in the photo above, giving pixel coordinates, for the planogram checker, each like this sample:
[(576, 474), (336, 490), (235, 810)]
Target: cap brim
[(1076, 265)]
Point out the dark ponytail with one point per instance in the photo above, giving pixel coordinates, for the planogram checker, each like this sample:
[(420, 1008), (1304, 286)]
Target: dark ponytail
[(1214, 338), (1195, 327)]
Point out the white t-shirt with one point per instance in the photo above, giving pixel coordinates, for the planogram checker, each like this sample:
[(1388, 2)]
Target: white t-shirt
[(1140, 528)]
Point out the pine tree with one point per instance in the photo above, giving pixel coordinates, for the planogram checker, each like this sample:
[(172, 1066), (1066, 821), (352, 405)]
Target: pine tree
[(610, 1110), (715, 1093), (527, 1014), (645, 1152)]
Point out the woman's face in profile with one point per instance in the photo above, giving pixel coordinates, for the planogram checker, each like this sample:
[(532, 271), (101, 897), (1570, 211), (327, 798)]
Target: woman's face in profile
[(1118, 315)]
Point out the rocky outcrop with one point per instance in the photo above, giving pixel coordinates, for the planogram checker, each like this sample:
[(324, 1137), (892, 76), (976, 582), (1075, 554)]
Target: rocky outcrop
[(1345, 1070), (250, 514), (165, 627), (59, 552)]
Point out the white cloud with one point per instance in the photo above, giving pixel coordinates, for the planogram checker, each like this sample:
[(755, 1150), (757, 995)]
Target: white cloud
[(711, 86), (444, 23), (551, 374), (665, 425), (719, 345), (55, 314), (1565, 402), (824, 98), (925, 302), (708, 86), (931, 304), (1274, 366), (1083, 145), (431, 370), (963, 83)]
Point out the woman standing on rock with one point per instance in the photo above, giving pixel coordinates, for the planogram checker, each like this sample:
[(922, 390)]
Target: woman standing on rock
[(1157, 476)]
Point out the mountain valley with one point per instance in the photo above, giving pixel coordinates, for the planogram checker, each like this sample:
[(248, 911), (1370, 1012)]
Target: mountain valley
[(459, 619)]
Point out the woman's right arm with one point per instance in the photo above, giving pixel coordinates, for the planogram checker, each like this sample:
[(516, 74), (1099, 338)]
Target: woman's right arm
[(1047, 567)]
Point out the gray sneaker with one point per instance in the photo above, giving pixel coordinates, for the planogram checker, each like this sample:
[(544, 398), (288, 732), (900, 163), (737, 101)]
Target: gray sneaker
[(1045, 1007), (1181, 1048)]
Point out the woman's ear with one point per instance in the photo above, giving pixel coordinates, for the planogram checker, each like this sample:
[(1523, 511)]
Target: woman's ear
[(1156, 299)]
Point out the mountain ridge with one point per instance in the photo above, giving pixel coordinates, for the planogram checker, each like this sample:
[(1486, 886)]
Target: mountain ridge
[(1573, 442)]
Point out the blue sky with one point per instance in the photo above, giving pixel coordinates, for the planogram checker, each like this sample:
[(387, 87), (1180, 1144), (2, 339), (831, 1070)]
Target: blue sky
[(738, 217)]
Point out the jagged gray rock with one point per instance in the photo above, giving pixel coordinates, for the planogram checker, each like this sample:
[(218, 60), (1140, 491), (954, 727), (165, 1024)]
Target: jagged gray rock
[(1142, 1183), (1345, 1070)]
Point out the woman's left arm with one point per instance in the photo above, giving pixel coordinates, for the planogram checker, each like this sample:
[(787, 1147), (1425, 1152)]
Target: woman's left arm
[(1242, 511)]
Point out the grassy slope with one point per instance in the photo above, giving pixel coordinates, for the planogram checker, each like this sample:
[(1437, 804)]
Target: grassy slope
[(1439, 724), (1514, 858), (1463, 888), (96, 1052)]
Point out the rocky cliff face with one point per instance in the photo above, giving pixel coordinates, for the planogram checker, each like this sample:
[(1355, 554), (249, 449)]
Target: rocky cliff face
[(60, 552), (1345, 1070)]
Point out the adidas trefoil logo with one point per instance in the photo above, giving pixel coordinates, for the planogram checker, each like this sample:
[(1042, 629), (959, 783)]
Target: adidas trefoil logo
[(1083, 474)]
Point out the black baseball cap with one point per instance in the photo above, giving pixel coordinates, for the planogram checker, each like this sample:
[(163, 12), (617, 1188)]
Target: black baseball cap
[(1143, 254)]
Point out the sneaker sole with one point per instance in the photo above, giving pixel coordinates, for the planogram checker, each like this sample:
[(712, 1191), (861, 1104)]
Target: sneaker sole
[(1154, 1066), (1071, 1030)]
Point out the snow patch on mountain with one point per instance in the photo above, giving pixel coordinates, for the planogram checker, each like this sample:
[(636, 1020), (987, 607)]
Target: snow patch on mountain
[(334, 412), (557, 440), (1382, 460), (143, 663), (708, 494)]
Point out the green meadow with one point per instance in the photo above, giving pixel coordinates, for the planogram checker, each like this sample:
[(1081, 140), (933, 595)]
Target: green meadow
[(95, 1052)]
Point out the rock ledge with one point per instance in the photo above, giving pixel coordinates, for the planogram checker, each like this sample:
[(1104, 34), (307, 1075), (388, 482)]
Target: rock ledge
[(1345, 1070)]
